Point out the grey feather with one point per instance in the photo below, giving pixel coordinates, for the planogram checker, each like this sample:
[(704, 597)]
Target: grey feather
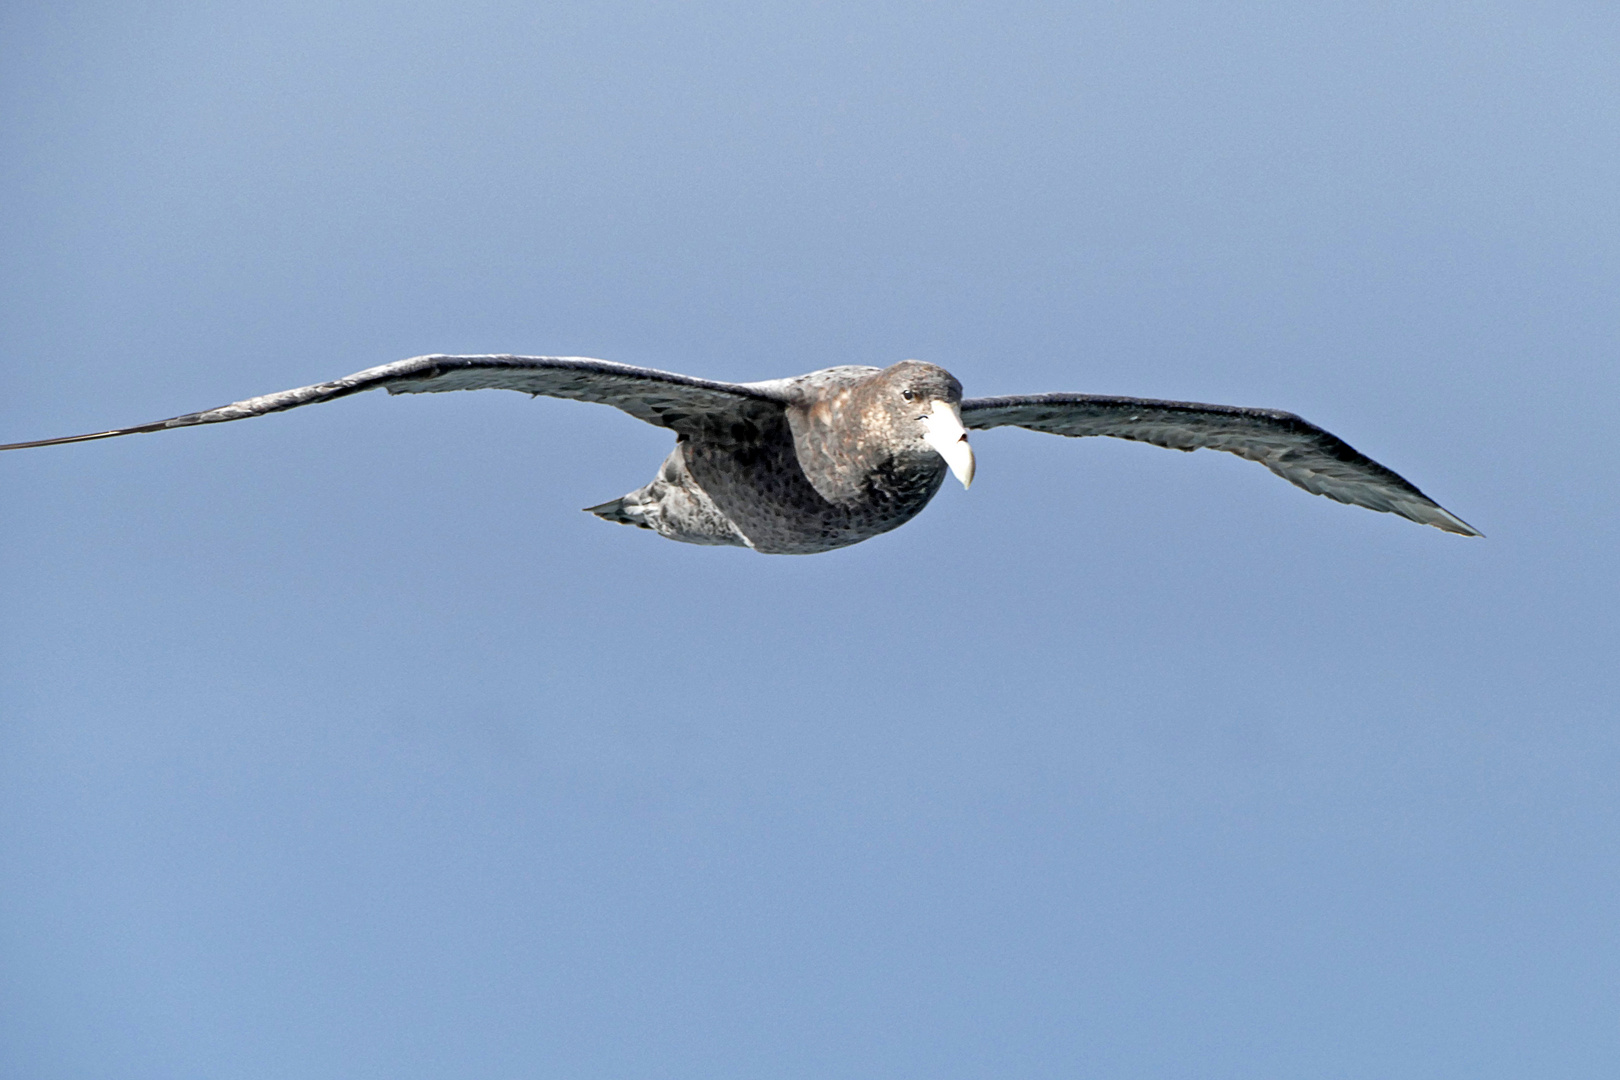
[(658, 397), (1290, 446)]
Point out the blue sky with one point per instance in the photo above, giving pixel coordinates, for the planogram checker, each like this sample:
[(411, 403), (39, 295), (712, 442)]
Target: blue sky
[(341, 744)]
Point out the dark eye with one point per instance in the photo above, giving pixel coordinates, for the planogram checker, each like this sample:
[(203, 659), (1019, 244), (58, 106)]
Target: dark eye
[(909, 395)]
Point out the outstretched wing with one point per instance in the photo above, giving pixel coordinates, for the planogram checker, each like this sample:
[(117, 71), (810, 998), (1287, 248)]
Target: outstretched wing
[(658, 397), (1293, 448)]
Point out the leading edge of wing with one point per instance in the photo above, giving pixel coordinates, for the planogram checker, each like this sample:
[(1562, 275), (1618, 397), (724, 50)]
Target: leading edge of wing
[(663, 398), (1290, 446)]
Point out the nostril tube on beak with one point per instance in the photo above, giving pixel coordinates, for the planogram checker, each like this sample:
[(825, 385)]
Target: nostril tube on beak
[(949, 439)]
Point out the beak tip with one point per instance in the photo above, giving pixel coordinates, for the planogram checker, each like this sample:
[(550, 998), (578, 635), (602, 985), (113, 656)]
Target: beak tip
[(949, 439)]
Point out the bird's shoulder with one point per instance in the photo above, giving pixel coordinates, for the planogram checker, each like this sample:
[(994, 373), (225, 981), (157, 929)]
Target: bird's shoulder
[(808, 388)]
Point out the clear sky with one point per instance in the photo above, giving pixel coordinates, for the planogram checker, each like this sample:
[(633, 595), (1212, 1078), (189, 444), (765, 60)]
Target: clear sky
[(341, 744)]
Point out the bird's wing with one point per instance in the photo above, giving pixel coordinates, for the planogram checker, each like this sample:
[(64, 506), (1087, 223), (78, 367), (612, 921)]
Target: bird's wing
[(1293, 448), (658, 397)]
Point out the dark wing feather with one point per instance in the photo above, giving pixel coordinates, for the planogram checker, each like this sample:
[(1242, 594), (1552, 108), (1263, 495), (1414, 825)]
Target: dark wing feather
[(1293, 448), (658, 397)]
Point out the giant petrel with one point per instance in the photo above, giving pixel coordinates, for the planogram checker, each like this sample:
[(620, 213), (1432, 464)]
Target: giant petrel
[(828, 459)]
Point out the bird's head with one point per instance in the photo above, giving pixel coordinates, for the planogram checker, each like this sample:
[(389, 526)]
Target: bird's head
[(925, 405)]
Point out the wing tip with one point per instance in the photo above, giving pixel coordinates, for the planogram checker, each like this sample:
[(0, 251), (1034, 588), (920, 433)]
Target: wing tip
[(1438, 516), (62, 440)]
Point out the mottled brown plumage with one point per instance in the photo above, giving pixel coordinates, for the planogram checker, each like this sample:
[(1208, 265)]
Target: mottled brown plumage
[(842, 459)]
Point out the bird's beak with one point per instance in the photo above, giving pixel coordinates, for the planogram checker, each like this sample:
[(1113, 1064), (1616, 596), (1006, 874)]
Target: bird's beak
[(946, 434)]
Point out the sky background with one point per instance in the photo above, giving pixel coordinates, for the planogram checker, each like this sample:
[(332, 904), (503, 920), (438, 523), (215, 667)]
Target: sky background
[(340, 744)]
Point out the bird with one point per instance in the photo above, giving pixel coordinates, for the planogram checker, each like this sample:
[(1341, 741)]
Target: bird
[(828, 459)]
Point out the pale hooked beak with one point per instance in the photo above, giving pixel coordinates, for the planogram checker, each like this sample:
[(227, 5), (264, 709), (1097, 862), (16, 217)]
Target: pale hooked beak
[(946, 434)]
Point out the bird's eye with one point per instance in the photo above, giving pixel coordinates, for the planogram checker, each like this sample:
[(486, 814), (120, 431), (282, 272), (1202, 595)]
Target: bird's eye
[(909, 395)]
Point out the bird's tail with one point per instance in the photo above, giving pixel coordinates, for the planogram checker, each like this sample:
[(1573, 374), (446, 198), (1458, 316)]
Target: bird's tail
[(620, 513)]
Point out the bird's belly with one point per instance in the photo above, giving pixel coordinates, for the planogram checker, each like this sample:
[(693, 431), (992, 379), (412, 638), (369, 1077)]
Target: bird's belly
[(762, 490)]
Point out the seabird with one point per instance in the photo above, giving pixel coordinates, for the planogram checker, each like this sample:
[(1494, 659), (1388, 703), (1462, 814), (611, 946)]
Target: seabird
[(828, 459)]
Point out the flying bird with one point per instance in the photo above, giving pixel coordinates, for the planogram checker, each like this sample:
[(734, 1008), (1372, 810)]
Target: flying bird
[(828, 459)]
